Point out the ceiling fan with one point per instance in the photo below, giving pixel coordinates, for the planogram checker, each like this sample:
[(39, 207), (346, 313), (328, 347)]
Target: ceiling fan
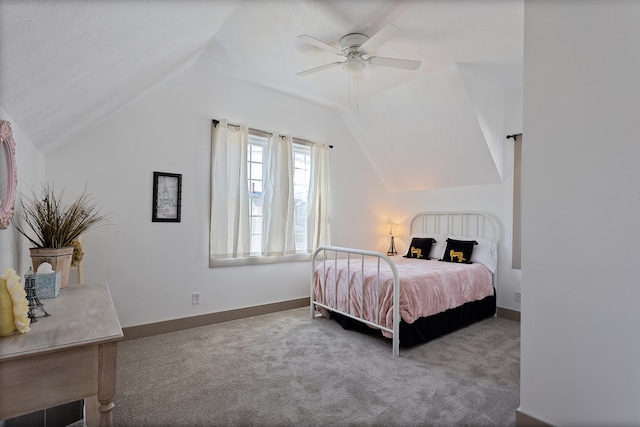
[(357, 47)]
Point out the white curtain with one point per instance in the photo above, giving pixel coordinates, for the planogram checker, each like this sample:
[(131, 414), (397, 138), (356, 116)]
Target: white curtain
[(318, 203), (229, 235), (278, 220), (516, 254)]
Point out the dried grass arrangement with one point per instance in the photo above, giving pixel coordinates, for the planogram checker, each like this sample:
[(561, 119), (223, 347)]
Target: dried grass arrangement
[(54, 224)]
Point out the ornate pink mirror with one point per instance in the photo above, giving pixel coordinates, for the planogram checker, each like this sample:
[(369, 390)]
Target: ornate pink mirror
[(8, 174)]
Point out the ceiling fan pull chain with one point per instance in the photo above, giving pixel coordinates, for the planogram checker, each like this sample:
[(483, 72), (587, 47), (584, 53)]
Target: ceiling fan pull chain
[(349, 96)]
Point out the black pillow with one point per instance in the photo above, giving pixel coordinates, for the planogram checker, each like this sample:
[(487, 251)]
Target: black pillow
[(459, 251), (420, 247)]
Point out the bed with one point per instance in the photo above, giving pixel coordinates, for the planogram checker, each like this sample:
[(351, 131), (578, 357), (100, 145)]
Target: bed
[(445, 281)]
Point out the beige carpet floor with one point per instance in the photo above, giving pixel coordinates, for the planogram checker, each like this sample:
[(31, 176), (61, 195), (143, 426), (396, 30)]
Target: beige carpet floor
[(284, 369)]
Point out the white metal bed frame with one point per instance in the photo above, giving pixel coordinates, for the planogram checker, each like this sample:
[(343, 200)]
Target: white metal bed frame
[(472, 224)]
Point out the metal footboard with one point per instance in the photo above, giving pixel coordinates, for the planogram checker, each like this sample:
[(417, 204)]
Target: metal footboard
[(355, 262)]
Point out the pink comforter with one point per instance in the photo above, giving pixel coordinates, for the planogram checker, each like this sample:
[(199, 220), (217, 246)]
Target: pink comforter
[(426, 287)]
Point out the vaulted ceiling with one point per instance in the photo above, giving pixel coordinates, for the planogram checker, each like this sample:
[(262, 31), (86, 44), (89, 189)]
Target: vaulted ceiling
[(65, 64)]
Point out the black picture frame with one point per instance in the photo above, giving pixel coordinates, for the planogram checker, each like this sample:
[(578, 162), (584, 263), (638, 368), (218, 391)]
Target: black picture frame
[(167, 197)]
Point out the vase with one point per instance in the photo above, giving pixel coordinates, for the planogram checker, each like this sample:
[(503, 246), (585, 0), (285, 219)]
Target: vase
[(60, 260)]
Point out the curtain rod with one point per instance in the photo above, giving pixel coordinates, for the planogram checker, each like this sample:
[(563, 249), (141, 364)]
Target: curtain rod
[(514, 136), (215, 123)]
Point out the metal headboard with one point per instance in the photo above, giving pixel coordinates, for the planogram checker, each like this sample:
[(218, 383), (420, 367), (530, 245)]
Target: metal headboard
[(462, 223)]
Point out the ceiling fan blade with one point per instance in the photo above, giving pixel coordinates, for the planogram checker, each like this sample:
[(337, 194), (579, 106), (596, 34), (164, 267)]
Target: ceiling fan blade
[(320, 68), (405, 64), (320, 44), (378, 39)]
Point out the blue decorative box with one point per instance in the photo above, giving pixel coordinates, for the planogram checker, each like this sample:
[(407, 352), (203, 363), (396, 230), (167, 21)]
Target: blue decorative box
[(48, 284)]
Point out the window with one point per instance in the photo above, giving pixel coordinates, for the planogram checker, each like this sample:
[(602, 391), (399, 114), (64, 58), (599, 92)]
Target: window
[(301, 160), (269, 197)]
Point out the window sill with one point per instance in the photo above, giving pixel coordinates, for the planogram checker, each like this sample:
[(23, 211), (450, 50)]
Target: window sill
[(235, 262)]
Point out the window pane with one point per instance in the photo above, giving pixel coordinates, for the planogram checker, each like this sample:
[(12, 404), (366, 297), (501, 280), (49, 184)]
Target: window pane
[(301, 177), (256, 207), (255, 171), (255, 186), (255, 153), (256, 149), (256, 244), (256, 223)]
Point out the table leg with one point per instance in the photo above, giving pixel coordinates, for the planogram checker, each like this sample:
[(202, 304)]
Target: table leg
[(106, 382)]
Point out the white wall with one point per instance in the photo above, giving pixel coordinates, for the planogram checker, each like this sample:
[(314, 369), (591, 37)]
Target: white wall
[(152, 268), (450, 117), (580, 288), (30, 163), (494, 199), (488, 103)]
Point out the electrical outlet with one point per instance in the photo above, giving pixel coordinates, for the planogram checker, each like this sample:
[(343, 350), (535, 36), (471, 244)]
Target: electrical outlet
[(518, 296), (195, 298)]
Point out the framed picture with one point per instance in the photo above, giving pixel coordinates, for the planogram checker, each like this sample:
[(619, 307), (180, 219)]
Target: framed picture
[(167, 197)]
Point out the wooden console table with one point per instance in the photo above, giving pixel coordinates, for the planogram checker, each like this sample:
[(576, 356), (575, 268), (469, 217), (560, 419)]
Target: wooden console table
[(67, 356)]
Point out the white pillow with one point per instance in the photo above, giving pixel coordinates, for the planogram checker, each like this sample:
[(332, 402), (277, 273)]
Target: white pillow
[(485, 252), (437, 249)]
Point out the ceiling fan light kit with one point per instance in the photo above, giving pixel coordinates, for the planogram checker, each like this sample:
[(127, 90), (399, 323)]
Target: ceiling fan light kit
[(353, 66)]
